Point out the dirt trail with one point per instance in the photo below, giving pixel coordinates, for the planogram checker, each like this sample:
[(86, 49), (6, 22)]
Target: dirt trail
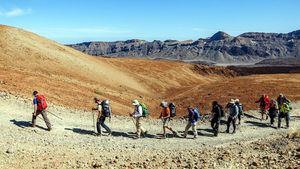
[(72, 144)]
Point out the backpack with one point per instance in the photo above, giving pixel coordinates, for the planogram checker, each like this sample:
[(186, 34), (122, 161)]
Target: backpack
[(105, 108), (197, 115), (145, 110), (222, 111), (240, 106), (289, 105), (41, 102), (172, 108)]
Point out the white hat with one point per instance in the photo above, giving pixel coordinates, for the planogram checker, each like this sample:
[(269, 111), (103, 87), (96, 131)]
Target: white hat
[(135, 102), (164, 103), (237, 100), (232, 101)]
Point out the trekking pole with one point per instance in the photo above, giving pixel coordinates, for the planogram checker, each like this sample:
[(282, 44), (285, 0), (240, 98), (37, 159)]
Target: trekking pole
[(94, 124), (133, 121), (54, 115)]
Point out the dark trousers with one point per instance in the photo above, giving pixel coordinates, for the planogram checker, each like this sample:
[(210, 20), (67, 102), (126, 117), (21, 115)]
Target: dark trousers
[(229, 121), (272, 119), (283, 115), (44, 114), (215, 123), (100, 122), (240, 118)]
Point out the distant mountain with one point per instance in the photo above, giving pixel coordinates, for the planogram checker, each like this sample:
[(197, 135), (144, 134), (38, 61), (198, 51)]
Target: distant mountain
[(221, 48)]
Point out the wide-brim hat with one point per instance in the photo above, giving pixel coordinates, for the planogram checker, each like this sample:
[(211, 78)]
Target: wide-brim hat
[(135, 102)]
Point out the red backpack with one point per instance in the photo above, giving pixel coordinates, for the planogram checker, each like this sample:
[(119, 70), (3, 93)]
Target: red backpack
[(41, 102)]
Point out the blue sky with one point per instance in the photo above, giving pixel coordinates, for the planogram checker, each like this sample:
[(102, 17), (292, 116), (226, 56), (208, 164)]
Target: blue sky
[(74, 21)]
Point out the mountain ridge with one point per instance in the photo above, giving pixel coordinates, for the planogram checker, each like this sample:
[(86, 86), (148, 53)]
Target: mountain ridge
[(220, 48)]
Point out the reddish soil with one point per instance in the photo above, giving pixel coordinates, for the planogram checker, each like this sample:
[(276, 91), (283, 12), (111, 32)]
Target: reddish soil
[(67, 77)]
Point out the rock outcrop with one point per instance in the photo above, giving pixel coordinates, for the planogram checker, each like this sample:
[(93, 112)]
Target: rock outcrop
[(221, 48)]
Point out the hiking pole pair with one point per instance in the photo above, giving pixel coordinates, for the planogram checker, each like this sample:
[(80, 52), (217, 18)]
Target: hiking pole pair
[(54, 115)]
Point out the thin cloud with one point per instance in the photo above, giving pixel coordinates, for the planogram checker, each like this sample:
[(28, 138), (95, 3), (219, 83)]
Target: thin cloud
[(15, 12)]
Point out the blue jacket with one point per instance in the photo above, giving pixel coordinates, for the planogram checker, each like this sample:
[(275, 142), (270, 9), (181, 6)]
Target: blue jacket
[(233, 110), (193, 116)]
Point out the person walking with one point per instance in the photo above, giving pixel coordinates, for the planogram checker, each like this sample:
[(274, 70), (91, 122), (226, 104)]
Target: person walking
[(39, 107), (233, 113), (217, 114), (273, 111), (165, 116), (264, 103), (241, 110), (284, 112), (104, 111), (193, 118), (138, 115)]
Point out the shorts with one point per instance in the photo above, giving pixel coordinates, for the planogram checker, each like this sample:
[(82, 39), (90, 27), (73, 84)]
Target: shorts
[(166, 122)]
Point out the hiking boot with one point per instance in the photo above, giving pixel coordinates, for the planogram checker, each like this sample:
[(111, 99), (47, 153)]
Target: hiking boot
[(216, 133), (136, 137), (175, 134), (145, 133)]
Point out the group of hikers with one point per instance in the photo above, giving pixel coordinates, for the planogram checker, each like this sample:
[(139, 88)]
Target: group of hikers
[(272, 108)]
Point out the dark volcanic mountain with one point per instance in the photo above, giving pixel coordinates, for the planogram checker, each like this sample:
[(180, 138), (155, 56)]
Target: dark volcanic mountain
[(221, 47)]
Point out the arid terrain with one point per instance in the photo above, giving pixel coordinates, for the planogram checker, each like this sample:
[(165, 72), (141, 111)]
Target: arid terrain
[(70, 79)]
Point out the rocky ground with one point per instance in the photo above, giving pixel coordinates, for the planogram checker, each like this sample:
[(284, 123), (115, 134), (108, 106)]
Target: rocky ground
[(72, 144)]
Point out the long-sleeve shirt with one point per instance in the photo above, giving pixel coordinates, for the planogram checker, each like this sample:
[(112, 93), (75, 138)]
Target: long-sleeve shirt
[(138, 111), (233, 111), (216, 110)]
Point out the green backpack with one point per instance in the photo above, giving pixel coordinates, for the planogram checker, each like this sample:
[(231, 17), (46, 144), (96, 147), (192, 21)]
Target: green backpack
[(286, 107), (145, 110)]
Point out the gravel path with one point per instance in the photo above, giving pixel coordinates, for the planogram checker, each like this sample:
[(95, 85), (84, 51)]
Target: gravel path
[(71, 143)]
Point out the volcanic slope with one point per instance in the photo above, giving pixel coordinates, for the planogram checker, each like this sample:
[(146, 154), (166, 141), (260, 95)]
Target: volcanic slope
[(70, 78)]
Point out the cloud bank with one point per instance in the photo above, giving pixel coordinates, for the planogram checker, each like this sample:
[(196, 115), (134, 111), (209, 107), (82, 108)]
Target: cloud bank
[(15, 12)]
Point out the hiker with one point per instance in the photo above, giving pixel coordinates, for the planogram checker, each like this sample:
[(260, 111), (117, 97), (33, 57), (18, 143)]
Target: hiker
[(233, 114), (104, 111), (273, 111), (241, 109), (40, 106), (281, 99), (217, 114), (193, 118), (264, 103), (165, 116), (284, 112), (138, 115)]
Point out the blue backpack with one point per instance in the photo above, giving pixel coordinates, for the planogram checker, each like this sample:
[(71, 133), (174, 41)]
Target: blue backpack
[(197, 115)]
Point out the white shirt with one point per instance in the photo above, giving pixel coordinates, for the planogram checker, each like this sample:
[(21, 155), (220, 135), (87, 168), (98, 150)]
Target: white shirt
[(138, 111)]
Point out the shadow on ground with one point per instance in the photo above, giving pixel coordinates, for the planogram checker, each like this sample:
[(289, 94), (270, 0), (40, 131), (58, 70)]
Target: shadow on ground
[(259, 124), (24, 124), (251, 116), (81, 131)]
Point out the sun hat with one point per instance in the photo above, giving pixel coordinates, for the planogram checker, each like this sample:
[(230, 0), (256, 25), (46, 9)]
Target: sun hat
[(135, 102)]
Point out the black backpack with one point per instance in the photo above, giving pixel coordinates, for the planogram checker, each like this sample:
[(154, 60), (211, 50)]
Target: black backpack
[(105, 108), (222, 111), (172, 108)]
